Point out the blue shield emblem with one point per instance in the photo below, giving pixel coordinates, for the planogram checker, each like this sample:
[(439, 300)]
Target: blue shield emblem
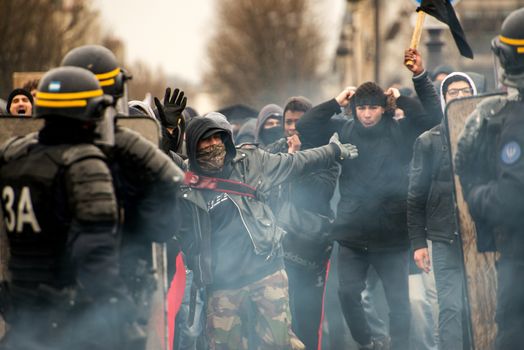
[(510, 153)]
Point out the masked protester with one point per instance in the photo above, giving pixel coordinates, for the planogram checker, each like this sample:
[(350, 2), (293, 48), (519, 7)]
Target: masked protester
[(269, 131), (371, 217), (230, 236), (61, 217), (490, 165)]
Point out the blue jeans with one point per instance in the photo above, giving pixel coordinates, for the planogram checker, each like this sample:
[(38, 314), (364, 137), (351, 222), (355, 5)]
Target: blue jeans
[(187, 335), (423, 314), (449, 277), (370, 296)]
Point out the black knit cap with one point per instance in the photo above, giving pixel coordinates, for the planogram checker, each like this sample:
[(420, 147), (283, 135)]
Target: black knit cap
[(369, 94), (17, 92)]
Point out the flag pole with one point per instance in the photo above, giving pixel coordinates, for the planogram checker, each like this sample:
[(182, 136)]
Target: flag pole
[(417, 32)]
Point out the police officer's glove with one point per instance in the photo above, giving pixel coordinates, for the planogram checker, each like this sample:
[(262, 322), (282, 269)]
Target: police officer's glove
[(347, 150), (170, 112)]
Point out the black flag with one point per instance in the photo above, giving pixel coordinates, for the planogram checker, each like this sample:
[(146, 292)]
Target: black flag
[(443, 11)]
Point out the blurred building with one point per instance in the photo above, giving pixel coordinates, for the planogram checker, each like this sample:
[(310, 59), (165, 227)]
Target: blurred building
[(375, 34)]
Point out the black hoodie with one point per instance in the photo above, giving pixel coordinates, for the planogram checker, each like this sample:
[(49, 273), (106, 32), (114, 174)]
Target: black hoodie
[(199, 127)]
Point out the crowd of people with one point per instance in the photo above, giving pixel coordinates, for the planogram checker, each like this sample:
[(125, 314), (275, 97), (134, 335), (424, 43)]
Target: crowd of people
[(249, 212)]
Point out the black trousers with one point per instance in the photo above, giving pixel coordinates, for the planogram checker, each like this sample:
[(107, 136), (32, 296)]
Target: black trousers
[(306, 288), (392, 269), (510, 302)]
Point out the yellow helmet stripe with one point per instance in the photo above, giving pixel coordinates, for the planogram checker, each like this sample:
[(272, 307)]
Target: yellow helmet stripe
[(69, 95), (520, 49), (513, 42), (108, 75), (61, 104), (107, 82)]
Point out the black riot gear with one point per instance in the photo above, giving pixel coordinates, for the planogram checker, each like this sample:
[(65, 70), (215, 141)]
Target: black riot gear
[(102, 62), (508, 47), (70, 92)]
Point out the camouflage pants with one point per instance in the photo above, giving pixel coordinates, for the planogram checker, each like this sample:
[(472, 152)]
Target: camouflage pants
[(258, 312)]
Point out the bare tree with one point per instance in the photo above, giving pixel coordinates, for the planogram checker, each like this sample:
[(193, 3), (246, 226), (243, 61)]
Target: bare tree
[(264, 51), (37, 33), (146, 80)]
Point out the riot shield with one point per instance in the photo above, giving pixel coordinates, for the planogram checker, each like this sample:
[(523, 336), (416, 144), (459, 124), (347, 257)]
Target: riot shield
[(9, 127), (479, 268)]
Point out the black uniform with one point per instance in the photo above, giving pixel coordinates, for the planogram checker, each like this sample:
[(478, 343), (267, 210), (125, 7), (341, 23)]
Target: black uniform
[(61, 216), (494, 140)]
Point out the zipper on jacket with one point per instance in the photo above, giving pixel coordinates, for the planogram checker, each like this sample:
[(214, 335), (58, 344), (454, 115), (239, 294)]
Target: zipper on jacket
[(195, 208), (243, 222)]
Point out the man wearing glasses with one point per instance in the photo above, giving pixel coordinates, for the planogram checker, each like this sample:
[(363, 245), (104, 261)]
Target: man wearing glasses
[(431, 214)]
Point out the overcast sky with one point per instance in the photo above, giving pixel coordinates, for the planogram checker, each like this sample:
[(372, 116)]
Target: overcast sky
[(173, 33)]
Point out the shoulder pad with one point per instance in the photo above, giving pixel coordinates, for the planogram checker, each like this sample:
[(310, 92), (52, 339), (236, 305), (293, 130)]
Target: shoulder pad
[(82, 151), (18, 146), (491, 106), (92, 194)]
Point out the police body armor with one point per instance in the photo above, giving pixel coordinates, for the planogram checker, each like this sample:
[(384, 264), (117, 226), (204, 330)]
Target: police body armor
[(36, 210)]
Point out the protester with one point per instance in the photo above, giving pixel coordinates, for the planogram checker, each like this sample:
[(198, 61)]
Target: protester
[(19, 103), (490, 165), (371, 216), (269, 125), (431, 209), (303, 211), (229, 228)]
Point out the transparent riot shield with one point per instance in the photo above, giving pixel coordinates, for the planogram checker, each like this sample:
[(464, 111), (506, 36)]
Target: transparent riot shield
[(479, 268)]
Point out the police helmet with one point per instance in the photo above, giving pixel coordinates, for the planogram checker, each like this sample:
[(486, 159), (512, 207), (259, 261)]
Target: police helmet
[(102, 62), (509, 45), (70, 92)]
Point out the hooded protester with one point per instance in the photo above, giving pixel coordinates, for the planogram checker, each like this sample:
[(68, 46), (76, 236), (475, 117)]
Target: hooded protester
[(246, 134), (371, 217), (230, 236), (431, 209), (20, 103), (269, 125), (304, 212)]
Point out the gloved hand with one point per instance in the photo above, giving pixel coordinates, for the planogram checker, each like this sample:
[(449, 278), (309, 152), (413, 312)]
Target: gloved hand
[(347, 150), (170, 112)]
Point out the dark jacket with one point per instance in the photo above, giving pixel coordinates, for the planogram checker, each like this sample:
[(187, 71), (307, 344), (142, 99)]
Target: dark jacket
[(372, 211), (431, 209), (254, 167)]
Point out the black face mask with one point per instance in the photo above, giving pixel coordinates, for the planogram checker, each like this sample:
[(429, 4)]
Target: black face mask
[(268, 136)]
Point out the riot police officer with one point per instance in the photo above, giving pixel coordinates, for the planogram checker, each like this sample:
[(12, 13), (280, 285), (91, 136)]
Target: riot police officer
[(145, 179), (490, 164), (61, 217), (102, 62)]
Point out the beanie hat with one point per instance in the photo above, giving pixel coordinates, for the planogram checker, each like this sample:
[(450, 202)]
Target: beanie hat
[(16, 92), (369, 94)]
